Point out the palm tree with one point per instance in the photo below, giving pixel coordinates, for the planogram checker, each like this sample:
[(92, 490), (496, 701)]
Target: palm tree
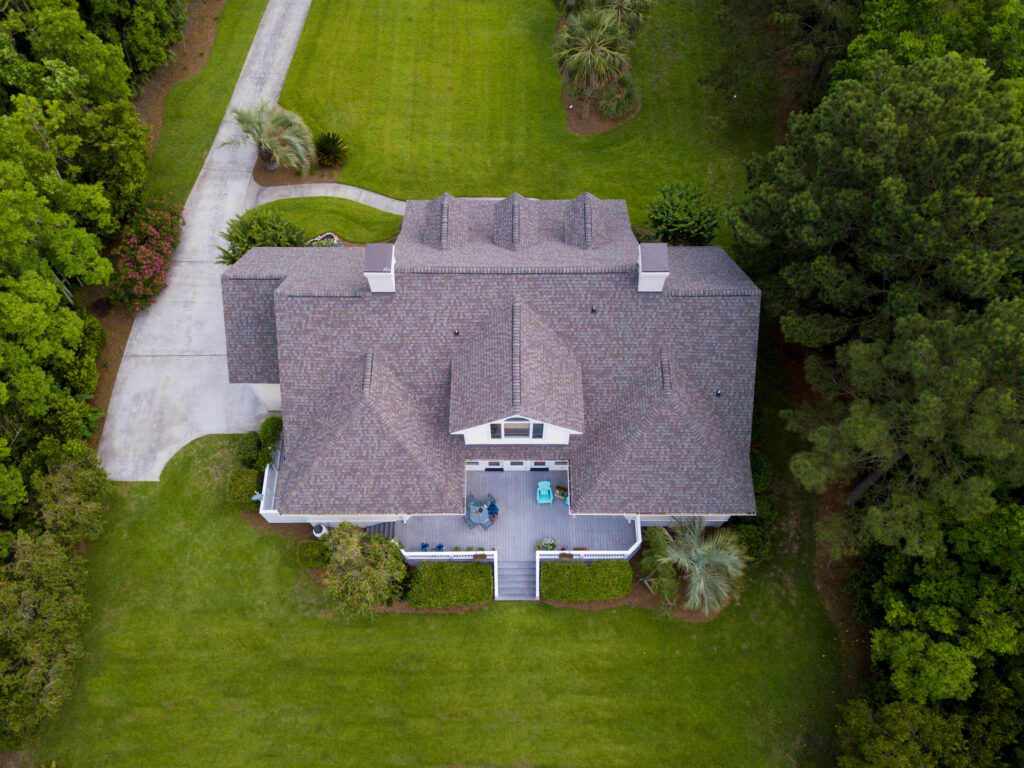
[(280, 136), (565, 7), (590, 51), (711, 560), (631, 14)]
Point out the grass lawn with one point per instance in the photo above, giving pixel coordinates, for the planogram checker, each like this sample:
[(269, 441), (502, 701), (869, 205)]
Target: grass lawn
[(209, 646), (462, 96), (349, 220), (195, 107)]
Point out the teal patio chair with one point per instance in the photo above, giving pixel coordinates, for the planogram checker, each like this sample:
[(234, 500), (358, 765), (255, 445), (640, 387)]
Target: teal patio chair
[(544, 492)]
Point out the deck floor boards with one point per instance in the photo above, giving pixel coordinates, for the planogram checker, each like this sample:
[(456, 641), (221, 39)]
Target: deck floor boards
[(521, 521)]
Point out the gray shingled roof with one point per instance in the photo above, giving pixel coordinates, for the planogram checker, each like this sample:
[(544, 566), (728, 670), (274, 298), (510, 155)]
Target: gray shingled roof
[(514, 365), (306, 318)]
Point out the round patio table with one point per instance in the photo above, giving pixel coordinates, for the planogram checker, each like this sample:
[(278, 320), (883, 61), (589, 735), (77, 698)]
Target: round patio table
[(478, 515)]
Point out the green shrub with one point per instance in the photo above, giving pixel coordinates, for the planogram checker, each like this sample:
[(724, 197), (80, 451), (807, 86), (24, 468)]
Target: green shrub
[(242, 484), (618, 100), (263, 457), (767, 509), (246, 449), (442, 585), (258, 227), (270, 431), (683, 214), (578, 582), (760, 471), (313, 554), (331, 149), (754, 538)]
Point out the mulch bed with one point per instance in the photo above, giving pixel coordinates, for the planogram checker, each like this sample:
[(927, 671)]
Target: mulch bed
[(117, 320), (283, 177), (595, 122)]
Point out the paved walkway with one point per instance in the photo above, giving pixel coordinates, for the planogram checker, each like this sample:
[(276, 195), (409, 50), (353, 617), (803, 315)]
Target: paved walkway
[(172, 386)]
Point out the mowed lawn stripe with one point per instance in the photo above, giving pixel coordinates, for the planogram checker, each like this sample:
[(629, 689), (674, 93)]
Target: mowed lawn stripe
[(462, 96), (208, 645)]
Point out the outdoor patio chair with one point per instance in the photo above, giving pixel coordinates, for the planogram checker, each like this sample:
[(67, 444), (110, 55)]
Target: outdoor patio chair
[(544, 493), (424, 546), (439, 547), (468, 521)]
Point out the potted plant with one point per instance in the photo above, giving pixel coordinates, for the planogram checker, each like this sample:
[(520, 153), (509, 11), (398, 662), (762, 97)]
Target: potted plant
[(561, 491), (547, 543)]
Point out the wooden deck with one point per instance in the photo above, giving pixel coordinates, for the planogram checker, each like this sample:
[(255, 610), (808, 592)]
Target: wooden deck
[(521, 521)]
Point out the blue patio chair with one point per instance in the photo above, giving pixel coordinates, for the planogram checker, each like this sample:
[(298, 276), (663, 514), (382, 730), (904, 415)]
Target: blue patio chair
[(544, 493), (424, 546), (439, 547)]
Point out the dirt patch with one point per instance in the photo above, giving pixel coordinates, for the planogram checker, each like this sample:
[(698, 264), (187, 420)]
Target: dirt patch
[(117, 321), (295, 531), (595, 122), (185, 59), (283, 177)]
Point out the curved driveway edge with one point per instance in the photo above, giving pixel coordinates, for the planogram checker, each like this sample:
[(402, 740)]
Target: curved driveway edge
[(259, 195)]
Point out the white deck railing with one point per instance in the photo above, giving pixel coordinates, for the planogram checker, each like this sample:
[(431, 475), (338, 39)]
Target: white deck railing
[(577, 554), (489, 555)]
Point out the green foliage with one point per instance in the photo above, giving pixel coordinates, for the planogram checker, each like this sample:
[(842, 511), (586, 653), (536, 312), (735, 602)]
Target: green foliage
[(70, 499), (712, 562), (246, 449), (443, 585), (631, 14), (591, 51), (902, 734), (40, 609), (270, 431), (114, 153), (989, 30), (258, 227), (145, 29), (618, 100), (760, 471), (566, 7), (578, 582), (280, 136), (49, 223), (243, 483), (683, 214), (313, 554), (754, 539), (331, 149), (365, 571)]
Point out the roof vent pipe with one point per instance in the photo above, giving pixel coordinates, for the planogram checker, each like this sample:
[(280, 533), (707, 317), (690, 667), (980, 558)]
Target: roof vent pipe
[(379, 267), (653, 263)]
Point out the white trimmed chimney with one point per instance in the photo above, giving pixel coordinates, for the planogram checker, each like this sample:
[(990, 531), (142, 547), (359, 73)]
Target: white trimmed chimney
[(653, 263), (379, 267)]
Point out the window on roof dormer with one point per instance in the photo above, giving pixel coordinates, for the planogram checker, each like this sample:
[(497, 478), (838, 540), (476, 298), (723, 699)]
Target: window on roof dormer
[(537, 432)]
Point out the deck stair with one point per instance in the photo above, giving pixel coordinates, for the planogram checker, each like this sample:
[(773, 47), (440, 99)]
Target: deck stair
[(516, 580), (382, 529)]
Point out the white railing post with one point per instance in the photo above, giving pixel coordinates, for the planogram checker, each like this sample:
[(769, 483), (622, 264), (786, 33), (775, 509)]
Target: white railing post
[(536, 575), (495, 574)]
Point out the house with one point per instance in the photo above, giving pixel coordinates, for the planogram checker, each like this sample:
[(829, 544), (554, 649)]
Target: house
[(497, 345)]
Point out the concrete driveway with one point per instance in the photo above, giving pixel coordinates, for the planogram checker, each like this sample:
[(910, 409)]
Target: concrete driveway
[(172, 386)]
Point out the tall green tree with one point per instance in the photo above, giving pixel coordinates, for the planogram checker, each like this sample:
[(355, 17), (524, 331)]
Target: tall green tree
[(992, 30), (41, 607), (365, 571)]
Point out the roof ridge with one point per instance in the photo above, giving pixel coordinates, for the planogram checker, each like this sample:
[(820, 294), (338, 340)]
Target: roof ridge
[(367, 373), (517, 355)]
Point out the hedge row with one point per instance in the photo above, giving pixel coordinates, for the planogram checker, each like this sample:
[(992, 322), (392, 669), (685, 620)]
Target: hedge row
[(445, 584), (577, 582)]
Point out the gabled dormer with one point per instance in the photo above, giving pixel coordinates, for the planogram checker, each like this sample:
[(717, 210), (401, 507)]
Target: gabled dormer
[(514, 382)]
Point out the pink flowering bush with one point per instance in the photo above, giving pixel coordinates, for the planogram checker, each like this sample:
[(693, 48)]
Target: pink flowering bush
[(144, 255)]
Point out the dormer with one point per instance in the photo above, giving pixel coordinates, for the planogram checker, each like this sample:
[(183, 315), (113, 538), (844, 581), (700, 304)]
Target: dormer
[(514, 382)]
